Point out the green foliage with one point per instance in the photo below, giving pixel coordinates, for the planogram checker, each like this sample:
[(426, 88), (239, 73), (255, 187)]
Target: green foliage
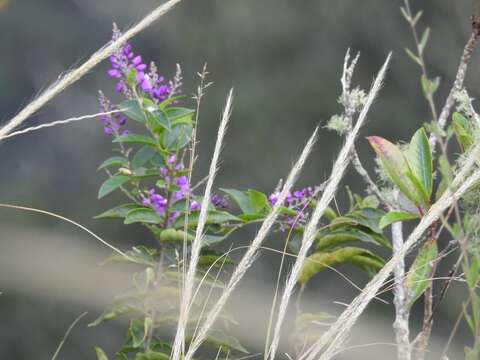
[(412, 172), (463, 130), (319, 261), (421, 270), (396, 216)]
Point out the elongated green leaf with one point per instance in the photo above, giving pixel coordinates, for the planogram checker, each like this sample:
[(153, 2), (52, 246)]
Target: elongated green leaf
[(241, 199), (112, 184), (463, 131), (213, 217), (395, 216), (319, 261), (219, 339), (118, 212), (136, 332), (113, 161), (143, 215), (174, 236), (348, 234), (420, 271), (420, 161), (258, 201), (424, 40), (135, 139), (396, 167), (133, 110), (100, 354), (142, 157), (177, 137), (113, 313), (413, 56)]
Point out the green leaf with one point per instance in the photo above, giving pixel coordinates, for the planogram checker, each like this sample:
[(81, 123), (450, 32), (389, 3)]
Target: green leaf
[(396, 167), (396, 216), (463, 131), (220, 339), (174, 236), (178, 137), (346, 235), (112, 184), (179, 115), (429, 87), (413, 56), (424, 40), (143, 215), (100, 354), (420, 272), (114, 161), (242, 199), (133, 110), (419, 157), (118, 212), (319, 261), (135, 139), (142, 157), (213, 217), (258, 201), (113, 313), (136, 332)]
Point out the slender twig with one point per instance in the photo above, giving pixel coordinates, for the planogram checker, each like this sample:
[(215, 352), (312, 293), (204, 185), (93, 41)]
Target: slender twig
[(73, 76), (44, 212), (59, 122), (67, 333)]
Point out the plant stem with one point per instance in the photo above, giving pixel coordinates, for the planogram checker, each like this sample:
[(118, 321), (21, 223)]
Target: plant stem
[(402, 313)]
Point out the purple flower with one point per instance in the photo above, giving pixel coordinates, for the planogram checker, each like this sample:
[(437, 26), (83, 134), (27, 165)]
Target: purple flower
[(111, 122), (172, 159), (194, 205), (273, 198), (219, 201), (155, 201), (124, 61)]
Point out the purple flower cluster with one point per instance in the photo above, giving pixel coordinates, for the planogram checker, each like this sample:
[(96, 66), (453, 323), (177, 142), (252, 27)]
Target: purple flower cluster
[(220, 202), (172, 176), (156, 201), (297, 201), (125, 61), (112, 123)]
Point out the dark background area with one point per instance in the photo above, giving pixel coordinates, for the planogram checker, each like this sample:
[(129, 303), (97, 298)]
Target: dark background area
[(284, 59)]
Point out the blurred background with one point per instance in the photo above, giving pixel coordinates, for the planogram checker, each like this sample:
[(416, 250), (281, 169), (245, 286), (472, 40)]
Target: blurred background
[(284, 59)]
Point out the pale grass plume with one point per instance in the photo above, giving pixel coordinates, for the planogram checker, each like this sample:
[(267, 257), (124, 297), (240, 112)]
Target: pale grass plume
[(73, 76), (189, 282), (334, 338), (252, 251), (336, 176), (59, 122)]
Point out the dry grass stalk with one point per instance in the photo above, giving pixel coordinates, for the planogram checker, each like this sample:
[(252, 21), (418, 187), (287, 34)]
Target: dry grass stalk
[(338, 332), (252, 251), (73, 76), (188, 289), (338, 171)]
